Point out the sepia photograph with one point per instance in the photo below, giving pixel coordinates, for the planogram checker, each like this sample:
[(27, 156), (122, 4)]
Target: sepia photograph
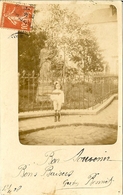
[(68, 76), (61, 97)]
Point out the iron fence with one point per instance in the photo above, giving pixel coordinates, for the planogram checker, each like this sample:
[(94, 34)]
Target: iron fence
[(81, 92)]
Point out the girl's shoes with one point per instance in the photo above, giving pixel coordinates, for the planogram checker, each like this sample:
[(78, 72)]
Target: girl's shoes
[(57, 115)]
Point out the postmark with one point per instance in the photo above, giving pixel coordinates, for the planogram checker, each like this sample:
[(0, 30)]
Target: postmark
[(17, 16)]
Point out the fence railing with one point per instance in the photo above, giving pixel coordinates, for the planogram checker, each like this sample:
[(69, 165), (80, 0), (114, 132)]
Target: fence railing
[(80, 92)]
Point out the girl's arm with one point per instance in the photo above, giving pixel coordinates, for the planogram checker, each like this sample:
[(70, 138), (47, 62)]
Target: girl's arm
[(53, 96), (62, 97)]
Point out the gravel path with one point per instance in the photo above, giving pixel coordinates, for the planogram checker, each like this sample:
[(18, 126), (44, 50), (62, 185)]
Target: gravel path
[(97, 131)]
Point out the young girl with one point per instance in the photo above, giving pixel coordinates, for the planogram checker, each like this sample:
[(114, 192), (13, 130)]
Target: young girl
[(57, 97)]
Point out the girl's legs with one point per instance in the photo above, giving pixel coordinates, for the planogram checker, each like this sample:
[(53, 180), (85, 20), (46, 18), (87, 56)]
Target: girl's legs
[(59, 111), (55, 119), (59, 115), (55, 110)]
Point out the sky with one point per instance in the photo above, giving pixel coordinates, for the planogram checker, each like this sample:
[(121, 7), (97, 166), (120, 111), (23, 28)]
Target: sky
[(79, 8)]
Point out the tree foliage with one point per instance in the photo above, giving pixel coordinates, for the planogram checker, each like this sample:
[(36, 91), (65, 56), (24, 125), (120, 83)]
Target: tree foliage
[(29, 46), (72, 41)]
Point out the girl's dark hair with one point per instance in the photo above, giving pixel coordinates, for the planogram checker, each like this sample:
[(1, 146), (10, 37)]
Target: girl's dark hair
[(56, 84)]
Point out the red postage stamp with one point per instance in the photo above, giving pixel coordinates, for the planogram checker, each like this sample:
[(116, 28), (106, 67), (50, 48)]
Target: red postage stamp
[(17, 16)]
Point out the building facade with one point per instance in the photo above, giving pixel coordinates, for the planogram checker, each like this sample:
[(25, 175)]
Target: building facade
[(105, 26)]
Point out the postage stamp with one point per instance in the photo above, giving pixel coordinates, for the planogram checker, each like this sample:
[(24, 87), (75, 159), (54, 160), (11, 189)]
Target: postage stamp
[(17, 16)]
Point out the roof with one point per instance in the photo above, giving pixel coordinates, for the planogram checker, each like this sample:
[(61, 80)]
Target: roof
[(101, 16)]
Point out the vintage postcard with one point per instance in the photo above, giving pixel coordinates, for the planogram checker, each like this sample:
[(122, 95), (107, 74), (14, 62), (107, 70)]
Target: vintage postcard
[(61, 97)]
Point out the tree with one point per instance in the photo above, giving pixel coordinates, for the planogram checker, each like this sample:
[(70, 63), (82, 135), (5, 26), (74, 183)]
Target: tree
[(74, 40), (86, 54), (66, 36), (29, 46)]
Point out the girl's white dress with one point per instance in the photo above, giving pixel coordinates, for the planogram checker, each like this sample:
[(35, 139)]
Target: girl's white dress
[(57, 97)]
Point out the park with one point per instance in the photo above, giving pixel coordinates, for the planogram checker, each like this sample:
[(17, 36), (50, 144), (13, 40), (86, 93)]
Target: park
[(64, 48)]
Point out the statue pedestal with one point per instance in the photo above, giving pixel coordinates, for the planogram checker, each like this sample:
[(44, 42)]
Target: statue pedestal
[(43, 91)]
